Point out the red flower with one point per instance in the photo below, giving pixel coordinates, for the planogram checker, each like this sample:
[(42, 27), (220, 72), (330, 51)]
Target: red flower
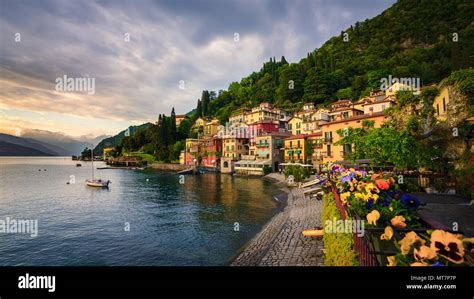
[(382, 184)]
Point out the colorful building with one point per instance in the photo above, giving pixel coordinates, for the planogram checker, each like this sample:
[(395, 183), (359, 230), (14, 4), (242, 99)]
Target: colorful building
[(210, 128), (179, 119), (343, 109), (238, 116), (295, 149), (192, 151), (233, 147), (264, 111), (211, 149), (261, 127), (332, 152), (315, 142), (295, 125), (269, 146), (440, 103), (373, 105)]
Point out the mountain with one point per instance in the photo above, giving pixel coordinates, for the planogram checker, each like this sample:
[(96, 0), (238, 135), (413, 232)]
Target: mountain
[(11, 149), (424, 38), (69, 145), (11, 143), (113, 141)]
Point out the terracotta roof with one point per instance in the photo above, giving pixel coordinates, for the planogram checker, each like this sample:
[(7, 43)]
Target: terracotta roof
[(297, 136), (357, 117)]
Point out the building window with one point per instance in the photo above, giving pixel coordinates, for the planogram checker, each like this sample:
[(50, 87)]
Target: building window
[(437, 109), (347, 149), (345, 115), (328, 148), (444, 105)]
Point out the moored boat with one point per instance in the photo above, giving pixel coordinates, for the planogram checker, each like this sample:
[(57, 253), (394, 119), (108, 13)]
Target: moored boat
[(98, 183)]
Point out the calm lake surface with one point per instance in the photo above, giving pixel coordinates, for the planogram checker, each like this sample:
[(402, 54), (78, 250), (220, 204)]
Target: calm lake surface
[(169, 223)]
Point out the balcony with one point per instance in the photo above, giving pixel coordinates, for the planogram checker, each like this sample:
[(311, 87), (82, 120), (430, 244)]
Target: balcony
[(262, 145), (328, 139)]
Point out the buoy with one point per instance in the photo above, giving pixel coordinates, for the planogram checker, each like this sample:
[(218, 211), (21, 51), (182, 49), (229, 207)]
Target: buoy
[(147, 180)]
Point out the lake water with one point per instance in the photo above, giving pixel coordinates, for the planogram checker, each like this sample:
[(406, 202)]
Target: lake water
[(144, 218)]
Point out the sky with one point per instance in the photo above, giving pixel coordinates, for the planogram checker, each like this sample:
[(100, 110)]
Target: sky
[(146, 57)]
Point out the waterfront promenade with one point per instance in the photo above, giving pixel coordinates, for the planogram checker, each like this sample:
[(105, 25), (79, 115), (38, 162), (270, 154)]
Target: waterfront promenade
[(280, 242)]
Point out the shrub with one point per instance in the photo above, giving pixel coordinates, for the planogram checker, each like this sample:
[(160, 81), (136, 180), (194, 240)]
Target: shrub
[(338, 246), (267, 169)]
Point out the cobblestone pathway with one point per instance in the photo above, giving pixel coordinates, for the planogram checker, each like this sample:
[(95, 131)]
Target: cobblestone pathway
[(281, 243)]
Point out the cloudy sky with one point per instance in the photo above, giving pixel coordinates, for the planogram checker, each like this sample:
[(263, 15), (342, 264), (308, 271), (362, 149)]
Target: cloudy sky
[(137, 78)]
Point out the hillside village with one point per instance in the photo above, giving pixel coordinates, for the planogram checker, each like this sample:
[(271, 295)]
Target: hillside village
[(267, 139)]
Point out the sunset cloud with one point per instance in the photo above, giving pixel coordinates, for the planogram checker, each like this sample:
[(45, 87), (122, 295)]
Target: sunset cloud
[(169, 41)]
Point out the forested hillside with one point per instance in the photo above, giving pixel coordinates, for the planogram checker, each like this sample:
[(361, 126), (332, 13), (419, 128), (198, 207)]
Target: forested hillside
[(426, 38)]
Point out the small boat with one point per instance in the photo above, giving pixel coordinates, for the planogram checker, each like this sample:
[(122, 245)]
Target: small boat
[(186, 171), (311, 183), (98, 183), (78, 165)]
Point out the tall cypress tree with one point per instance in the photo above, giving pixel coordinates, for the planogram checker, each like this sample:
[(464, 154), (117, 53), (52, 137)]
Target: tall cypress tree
[(173, 124), (199, 108), (205, 103)]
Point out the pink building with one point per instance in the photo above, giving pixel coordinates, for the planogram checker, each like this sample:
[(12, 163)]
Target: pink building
[(211, 149), (261, 127)]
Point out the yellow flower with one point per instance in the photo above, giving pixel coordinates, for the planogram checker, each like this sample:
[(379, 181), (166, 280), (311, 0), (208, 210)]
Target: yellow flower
[(398, 222), (388, 233), (371, 188), (359, 195), (391, 209), (391, 261), (410, 239), (351, 169), (351, 187), (424, 253), (344, 197), (358, 173), (372, 217), (448, 245)]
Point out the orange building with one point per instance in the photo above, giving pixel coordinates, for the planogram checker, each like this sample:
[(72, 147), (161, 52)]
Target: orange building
[(331, 152)]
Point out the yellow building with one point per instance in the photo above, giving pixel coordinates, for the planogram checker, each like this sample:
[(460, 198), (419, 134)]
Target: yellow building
[(200, 122), (315, 141), (211, 128), (238, 116), (331, 152), (107, 152), (295, 125), (440, 104), (234, 148), (295, 149), (265, 111)]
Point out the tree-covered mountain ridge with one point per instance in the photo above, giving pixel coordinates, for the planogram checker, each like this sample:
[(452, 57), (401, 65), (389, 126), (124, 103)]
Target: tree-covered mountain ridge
[(426, 39)]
